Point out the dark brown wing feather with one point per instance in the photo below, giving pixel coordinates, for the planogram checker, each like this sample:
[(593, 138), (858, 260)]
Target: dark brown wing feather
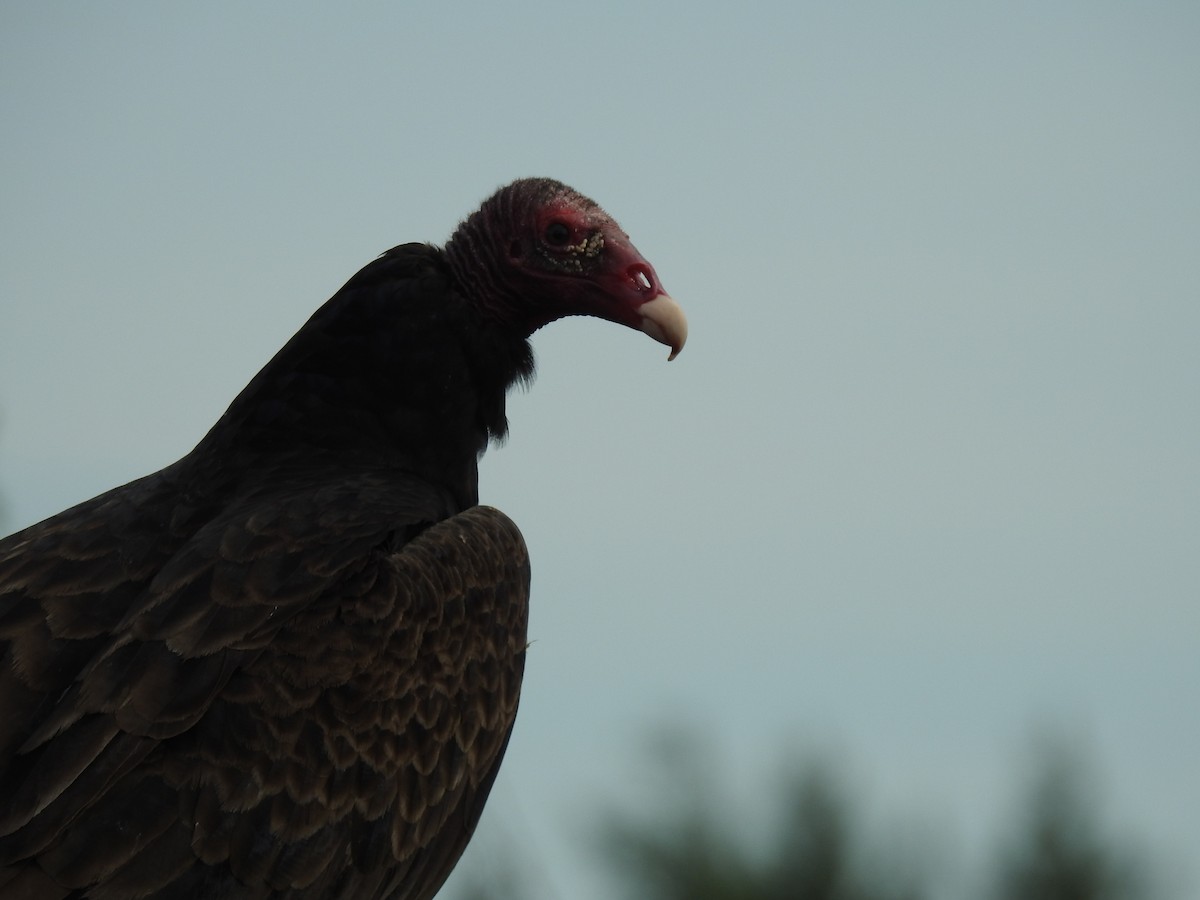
[(300, 699)]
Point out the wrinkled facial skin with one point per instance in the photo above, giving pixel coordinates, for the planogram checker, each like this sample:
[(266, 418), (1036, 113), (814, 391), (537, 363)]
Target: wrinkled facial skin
[(537, 251), (574, 240), (567, 241)]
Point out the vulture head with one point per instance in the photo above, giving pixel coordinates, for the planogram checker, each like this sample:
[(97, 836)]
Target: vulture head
[(537, 250)]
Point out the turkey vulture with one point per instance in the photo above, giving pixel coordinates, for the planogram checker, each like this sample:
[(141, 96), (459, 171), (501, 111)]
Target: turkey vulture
[(288, 664)]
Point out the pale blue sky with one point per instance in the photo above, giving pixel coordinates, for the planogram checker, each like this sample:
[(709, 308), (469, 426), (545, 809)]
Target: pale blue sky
[(926, 475)]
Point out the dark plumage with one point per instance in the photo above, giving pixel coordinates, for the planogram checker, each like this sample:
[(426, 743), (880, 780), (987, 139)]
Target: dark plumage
[(288, 664)]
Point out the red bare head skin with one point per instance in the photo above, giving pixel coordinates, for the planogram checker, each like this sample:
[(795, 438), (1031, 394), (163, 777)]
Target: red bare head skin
[(537, 250)]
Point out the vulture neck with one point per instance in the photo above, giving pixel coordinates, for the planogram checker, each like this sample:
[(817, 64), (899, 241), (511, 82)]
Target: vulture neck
[(478, 255), (397, 373)]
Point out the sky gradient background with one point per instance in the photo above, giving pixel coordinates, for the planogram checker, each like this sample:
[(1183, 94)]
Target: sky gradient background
[(927, 475)]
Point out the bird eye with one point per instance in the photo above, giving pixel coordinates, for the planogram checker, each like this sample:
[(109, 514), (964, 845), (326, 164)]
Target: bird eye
[(557, 233)]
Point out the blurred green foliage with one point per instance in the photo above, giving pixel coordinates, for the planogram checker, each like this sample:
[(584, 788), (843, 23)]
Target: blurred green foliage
[(1058, 849), (813, 845)]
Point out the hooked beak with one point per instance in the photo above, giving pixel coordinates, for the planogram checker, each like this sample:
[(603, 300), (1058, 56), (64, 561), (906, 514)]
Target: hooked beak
[(658, 314), (663, 320), (633, 296)]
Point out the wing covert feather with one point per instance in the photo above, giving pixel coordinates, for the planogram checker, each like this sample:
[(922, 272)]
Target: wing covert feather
[(327, 715)]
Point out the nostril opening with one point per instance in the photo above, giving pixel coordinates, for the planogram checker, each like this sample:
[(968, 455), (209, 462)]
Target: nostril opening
[(642, 276)]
